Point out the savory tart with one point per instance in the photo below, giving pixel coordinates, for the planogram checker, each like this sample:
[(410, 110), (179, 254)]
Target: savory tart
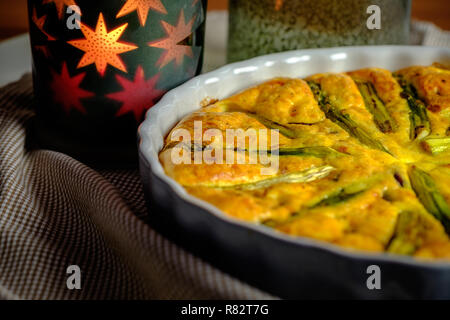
[(363, 158)]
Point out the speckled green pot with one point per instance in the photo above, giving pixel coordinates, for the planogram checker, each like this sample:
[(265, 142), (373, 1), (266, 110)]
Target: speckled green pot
[(259, 27)]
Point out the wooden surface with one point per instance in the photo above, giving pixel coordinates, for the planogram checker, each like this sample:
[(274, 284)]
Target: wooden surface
[(13, 13)]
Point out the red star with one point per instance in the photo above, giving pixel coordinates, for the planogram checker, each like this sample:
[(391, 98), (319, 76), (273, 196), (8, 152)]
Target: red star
[(142, 7), (138, 95), (102, 47), (66, 90), (175, 35), (60, 5), (40, 22)]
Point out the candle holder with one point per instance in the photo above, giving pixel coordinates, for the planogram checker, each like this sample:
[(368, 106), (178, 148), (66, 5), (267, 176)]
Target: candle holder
[(99, 65)]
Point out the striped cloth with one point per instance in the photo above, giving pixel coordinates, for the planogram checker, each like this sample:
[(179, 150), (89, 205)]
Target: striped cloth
[(56, 212)]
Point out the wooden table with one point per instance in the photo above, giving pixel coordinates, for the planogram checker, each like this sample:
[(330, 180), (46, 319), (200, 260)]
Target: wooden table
[(13, 14)]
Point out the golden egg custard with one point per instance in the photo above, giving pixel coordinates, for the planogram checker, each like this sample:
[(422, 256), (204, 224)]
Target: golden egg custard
[(363, 158)]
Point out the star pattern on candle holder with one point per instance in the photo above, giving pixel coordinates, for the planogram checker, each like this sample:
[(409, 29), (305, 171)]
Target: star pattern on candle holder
[(173, 50), (60, 5), (66, 90), (142, 7), (40, 23), (102, 47), (138, 95)]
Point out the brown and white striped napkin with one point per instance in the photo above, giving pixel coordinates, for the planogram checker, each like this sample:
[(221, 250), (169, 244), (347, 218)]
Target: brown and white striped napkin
[(56, 212)]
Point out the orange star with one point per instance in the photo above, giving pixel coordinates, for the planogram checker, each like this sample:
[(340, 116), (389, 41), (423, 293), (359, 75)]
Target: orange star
[(175, 35), (142, 7), (60, 5), (102, 47), (40, 22)]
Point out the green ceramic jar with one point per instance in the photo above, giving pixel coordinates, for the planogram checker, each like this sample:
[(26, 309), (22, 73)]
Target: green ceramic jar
[(259, 27)]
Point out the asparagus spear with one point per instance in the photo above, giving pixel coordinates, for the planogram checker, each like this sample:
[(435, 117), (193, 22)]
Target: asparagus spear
[(436, 145), (344, 120), (376, 107), (420, 124), (318, 152), (406, 239), (294, 177), (337, 196), (427, 192), (344, 193), (285, 131)]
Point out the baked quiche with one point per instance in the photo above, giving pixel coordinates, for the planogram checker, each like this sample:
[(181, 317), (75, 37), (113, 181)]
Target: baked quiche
[(363, 158)]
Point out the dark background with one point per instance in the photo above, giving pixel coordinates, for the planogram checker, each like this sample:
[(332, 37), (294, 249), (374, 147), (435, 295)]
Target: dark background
[(13, 14)]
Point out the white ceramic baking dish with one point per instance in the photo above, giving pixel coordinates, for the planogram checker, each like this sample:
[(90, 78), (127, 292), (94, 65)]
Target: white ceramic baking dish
[(291, 267)]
